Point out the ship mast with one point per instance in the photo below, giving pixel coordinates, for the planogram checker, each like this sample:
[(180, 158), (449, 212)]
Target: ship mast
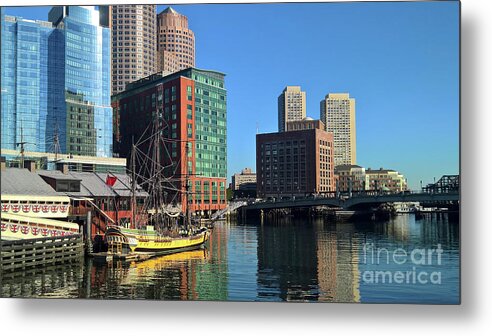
[(156, 171), (134, 184), (187, 190)]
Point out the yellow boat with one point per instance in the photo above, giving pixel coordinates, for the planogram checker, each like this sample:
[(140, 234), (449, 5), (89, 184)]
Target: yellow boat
[(130, 240)]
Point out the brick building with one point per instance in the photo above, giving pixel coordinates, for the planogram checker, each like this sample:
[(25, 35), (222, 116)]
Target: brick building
[(294, 163)]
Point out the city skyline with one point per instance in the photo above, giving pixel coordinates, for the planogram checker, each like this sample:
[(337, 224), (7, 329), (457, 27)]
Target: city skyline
[(348, 50)]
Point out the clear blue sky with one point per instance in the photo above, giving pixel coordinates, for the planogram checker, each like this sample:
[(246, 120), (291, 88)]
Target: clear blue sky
[(400, 61)]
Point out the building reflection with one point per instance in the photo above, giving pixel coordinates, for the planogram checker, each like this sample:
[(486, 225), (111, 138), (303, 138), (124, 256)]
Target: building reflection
[(171, 277), (287, 262), (211, 277), (59, 281), (338, 262)]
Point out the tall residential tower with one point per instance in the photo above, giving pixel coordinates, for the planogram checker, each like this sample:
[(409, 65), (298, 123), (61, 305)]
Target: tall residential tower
[(338, 115), (175, 42), (134, 43), (291, 106)]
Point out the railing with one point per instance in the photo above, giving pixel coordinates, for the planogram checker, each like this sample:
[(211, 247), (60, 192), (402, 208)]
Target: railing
[(344, 196), (231, 207)]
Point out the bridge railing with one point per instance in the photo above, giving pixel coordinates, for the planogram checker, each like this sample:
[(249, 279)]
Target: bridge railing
[(231, 207), (345, 195)]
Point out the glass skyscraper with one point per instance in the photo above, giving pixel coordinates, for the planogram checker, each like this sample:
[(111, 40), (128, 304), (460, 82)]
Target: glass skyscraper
[(56, 83)]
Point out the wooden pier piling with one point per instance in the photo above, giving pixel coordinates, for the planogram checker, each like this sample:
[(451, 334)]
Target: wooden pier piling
[(27, 253)]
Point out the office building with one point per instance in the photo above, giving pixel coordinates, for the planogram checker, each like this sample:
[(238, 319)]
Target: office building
[(338, 115), (294, 163), (175, 42), (56, 83), (291, 106), (134, 43), (194, 118)]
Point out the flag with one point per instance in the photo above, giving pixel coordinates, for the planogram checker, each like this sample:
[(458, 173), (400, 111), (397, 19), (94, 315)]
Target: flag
[(110, 180)]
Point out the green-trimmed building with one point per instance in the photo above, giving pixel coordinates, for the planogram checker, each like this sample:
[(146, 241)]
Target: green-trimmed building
[(192, 107)]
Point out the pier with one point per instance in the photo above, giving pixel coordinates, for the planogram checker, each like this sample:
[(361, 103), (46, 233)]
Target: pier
[(28, 253)]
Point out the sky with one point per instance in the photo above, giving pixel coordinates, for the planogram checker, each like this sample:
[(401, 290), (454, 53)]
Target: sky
[(399, 60)]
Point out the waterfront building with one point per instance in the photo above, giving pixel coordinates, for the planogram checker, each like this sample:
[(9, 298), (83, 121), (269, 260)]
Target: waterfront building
[(294, 163), (386, 180), (306, 123), (338, 115), (192, 105), (134, 42), (351, 178), (175, 42), (106, 196), (291, 106), (77, 163), (29, 207), (55, 83), (26, 194)]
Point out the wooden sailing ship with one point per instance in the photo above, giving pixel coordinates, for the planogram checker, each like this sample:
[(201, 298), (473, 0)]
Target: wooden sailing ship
[(155, 227)]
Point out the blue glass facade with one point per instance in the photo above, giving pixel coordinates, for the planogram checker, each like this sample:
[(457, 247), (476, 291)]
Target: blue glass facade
[(56, 82)]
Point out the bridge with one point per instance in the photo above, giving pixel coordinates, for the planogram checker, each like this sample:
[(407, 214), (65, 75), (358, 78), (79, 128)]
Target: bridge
[(442, 193), (358, 200)]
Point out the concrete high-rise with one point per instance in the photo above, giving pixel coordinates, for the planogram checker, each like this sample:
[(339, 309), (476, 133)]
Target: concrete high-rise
[(134, 42), (291, 106), (175, 42), (338, 115)]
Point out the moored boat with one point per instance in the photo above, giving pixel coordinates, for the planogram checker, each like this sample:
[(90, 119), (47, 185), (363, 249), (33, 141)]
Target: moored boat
[(149, 240)]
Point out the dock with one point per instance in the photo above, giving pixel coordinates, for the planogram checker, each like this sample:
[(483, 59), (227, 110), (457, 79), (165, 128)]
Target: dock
[(28, 253)]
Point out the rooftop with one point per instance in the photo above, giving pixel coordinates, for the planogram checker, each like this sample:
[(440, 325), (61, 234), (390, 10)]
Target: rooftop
[(346, 166), (20, 181), (169, 10), (94, 184)]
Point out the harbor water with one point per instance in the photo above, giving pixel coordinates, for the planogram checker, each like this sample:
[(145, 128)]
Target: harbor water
[(402, 260)]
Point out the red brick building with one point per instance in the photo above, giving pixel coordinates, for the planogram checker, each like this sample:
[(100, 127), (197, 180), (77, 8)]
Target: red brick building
[(294, 163)]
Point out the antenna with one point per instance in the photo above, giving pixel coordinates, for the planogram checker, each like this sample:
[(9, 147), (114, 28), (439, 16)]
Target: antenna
[(257, 127)]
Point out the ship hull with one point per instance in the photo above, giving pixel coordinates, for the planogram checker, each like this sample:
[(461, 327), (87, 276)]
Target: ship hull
[(143, 241), (174, 245)]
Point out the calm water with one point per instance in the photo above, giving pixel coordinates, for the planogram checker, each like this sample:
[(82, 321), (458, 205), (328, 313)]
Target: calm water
[(403, 260)]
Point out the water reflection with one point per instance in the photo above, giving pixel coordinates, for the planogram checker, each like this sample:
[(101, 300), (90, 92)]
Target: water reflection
[(293, 260)]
